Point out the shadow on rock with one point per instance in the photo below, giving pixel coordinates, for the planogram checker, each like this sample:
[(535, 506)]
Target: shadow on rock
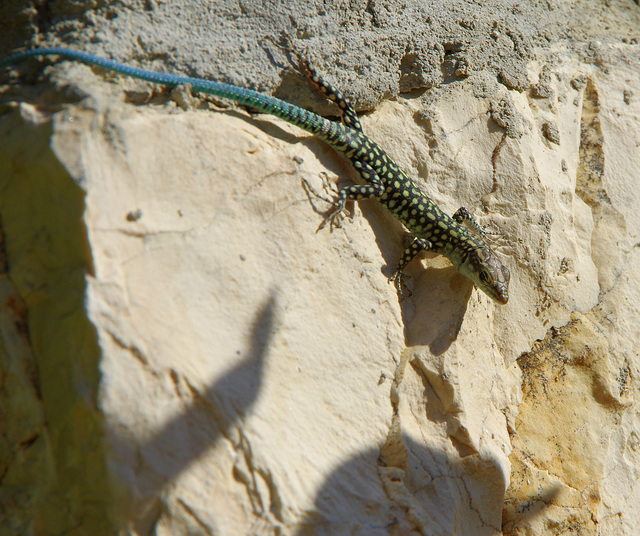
[(409, 488), (214, 413)]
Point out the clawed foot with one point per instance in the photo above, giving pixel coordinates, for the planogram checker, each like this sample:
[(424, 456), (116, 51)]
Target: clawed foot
[(398, 282), (487, 234), (335, 216)]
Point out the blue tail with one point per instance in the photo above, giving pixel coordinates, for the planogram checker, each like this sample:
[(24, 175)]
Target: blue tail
[(316, 124)]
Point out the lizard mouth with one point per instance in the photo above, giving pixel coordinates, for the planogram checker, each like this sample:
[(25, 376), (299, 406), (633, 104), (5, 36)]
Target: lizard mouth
[(501, 296)]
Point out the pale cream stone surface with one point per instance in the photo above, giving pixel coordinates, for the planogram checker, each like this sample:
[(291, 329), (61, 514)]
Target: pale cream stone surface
[(574, 462), (259, 377)]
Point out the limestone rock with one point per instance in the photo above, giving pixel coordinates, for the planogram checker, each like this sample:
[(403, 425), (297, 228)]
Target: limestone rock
[(183, 352)]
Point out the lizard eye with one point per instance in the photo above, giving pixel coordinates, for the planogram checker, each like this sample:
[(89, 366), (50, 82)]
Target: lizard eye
[(484, 277)]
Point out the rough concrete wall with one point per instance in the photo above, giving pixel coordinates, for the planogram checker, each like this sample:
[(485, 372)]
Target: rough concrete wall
[(182, 352)]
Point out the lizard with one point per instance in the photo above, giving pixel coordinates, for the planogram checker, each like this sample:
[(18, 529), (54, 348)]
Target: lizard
[(459, 237)]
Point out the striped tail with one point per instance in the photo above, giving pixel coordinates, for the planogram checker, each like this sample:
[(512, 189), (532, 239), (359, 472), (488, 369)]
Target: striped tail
[(316, 124)]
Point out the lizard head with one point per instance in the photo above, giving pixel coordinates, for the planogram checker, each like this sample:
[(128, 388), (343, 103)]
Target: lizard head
[(483, 267)]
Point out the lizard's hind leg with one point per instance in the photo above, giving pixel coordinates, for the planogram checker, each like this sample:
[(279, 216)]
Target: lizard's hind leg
[(347, 112)]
